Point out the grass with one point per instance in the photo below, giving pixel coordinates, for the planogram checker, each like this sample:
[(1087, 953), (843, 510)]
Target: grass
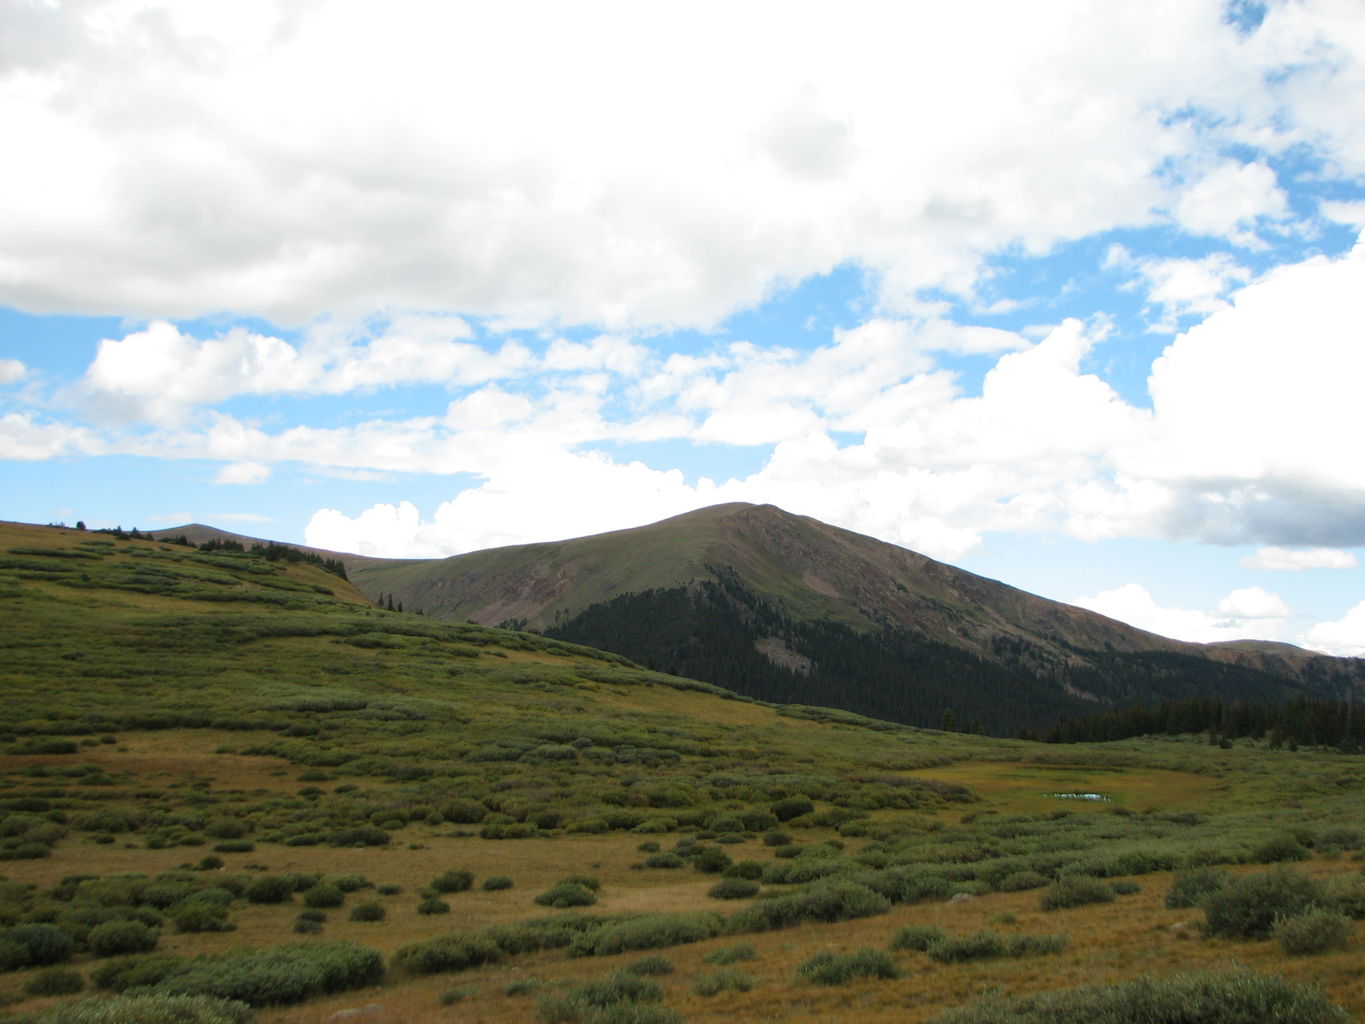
[(256, 730)]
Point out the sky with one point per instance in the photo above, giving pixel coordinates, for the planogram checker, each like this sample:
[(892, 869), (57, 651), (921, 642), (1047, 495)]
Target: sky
[(1068, 294)]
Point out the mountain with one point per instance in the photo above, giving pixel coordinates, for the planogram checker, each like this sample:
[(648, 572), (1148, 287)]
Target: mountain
[(783, 607)]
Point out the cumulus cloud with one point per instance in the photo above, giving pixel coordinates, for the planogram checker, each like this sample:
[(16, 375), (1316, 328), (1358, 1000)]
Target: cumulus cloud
[(12, 371), (1345, 637), (1296, 559), (633, 192), (1179, 287), (1251, 614)]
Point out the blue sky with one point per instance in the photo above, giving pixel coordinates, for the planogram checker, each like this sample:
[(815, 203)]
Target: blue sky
[(1065, 294)]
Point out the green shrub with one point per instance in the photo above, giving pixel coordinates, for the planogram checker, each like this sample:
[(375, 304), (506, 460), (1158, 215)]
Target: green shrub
[(281, 975), (199, 916), (367, 912), (117, 938), (614, 1000), (307, 926), (1125, 887), (1075, 891), (54, 981), (270, 889), (1189, 888), (137, 971), (38, 945), (1247, 907), (711, 861), (918, 937), (567, 894), (323, 897), (1233, 996), (453, 881), (521, 987), (825, 901), (1022, 880), (727, 979), (1034, 945), (791, 807), (726, 955), (1278, 849), (493, 883), (664, 860), (651, 965), (648, 931), (448, 953), (389, 889), (1347, 894), (432, 906), (348, 883), (776, 838), (144, 1009), (750, 869), (733, 889), (1313, 931), (957, 949), (836, 969)]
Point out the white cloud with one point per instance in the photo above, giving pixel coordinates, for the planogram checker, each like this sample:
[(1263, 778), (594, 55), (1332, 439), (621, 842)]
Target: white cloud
[(243, 473), (1345, 637), (1182, 287), (184, 159), (12, 371), (1251, 614), (22, 438), (1295, 559)]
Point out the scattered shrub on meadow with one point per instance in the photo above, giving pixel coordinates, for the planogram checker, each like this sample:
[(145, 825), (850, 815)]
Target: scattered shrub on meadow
[(1278, 849), (1034, 945), (664, 860), (433, 905), (1247, 907), (1075, 891), (453, 881), (776, 838), (281, 975), (647, 931), (521, 987), (54, 981), (567, 894), (389, 889), (117, 938), (711, 861), (368, 912), (323, 896), (306, 926), (35, 945), (824, 901), (1313, 931), (917, 937), (952, 949), (587, 1002), (750, 869), (791, 807), (1189, 888), (727, 979), (837, 968), (733, 889), (270, 889), (1347, 894), (144, 1009), (448, 953), (191, 916), (1022, 880), (653, 966), (726, 955), (494, 883), (1125, 887), (137, 971), (1233, 996)]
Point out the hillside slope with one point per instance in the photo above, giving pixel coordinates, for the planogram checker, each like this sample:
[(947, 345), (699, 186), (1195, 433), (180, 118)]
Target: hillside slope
[(788, 608)]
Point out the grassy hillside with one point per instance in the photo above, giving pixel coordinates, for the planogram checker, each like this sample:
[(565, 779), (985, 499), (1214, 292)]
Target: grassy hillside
[(204, 753)]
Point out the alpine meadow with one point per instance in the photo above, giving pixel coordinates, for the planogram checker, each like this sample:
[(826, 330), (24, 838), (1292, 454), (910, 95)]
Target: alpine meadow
[(234, 789)]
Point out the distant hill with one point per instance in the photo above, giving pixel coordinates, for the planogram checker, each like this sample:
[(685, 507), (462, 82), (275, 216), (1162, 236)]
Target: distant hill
[(786, 608)]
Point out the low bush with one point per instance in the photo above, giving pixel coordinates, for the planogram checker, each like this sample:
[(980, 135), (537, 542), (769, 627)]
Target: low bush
[(727, 979), (367, 912), (1346, 893), (1314, 931), (730, 954), (587, 1002), (1022, 880), (36, 945), (494, 883), (270, 889), (193, 916), (137, 971), (1248, 907), (653, 966), (1280, 848), (281, 975), (448, 953), (750, 869), (825, 901), (1189, 888), (1075, 891), (838, 968), (711, 861), (432, 906), (1232, 996), (648, 931), (1034, 945), (117, 938), (54, 981), (453, 881), (733, 889), (664, 860), (918, 937), (323, 897), (959, 948), (1125, 887), (143, 1009), (567, 894)]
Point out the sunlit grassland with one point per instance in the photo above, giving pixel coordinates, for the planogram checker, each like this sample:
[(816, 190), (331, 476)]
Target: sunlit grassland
[(203, 697)]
